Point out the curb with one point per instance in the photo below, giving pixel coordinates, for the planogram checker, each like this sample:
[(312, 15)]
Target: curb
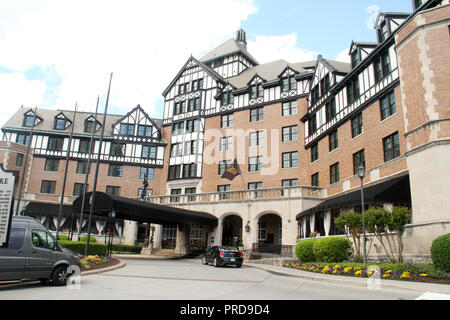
[(396, 284), (121, 264)]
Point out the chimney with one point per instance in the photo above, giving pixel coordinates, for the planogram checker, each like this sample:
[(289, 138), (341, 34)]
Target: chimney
[(241, 39)]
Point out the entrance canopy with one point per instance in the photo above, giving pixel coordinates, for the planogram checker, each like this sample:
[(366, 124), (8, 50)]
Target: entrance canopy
[(136, 210), (394, 190)]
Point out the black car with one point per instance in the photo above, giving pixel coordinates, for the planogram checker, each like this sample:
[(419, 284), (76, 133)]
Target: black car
[(220, 256)]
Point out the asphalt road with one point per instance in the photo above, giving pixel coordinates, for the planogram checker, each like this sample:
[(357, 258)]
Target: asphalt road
[(188, 279)]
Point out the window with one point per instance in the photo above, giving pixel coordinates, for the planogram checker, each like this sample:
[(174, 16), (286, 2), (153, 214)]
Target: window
[(256, 138), (289, 183), (314, 152), (353, 90), (115, 170), (418, 3), (334, 173), (19, 160), (224, 188), (383, 32), (179, 107), (289, 108), (256, 186), (190, 147), (197, 84), (382, 66), (288, 84), (333, 140), (51, 165), (257, 114), (174, 172), (226, 143), (262, 230), (149, 172), (83, 147), (178, 128), (193, 125), (148, 152), (78, 189), (190, 191), (290, 159), (82, 167), (315, 180), (223, 165), (28, 120), (190, 170), (358, 160), (144, 130), (387, 105), (127, 129), (193, 104), (254, 164), (226, 121), (324, 84), (42, 239), (183, 88), (356, 57), (48, 186), (23, 138), (391, 147), (117, 149), (113, 190), (227, 98), (256, 91), (89, 125), (55, 144), (312, 124), (315, 94), (330, 110), (16, 238), (289, 134), (175, 192), (357, 125), (60, 123)]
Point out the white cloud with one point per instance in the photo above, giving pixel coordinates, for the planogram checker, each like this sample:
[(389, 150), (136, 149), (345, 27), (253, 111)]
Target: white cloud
[(343, 56), (270, 48), (144, 43), (17, 90)]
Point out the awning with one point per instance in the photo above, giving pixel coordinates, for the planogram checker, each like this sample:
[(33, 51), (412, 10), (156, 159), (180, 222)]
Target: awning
[(393, 190), (136, 210), (37, 208)]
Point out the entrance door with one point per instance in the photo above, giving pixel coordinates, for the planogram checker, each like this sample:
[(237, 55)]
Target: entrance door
[(169, 237), (231, 229)]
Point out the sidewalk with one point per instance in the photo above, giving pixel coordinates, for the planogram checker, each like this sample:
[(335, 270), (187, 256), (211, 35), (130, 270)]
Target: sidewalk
[(383, 283)]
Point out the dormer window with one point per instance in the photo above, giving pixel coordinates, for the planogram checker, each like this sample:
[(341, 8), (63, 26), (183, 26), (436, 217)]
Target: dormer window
[(383, 32), (28, 120), (256, 91), (227, 98), (288, 84), (356, 58), (324, 84), (418, 3), (89, 125), (60, 124)]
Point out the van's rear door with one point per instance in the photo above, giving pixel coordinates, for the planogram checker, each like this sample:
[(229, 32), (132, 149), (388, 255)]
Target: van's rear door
[(13, 257)]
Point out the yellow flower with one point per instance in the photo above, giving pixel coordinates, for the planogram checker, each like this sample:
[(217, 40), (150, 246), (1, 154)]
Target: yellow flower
[(334, 271), (389, 271), (404, 275), (386, 275), (423, 275), (358, 273)]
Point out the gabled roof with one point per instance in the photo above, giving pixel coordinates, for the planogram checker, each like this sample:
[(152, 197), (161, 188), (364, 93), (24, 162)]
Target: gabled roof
[(336, 66), (138, 107), (228, 48)]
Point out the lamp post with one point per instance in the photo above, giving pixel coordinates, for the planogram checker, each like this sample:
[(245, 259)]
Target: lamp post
[(361, 174)]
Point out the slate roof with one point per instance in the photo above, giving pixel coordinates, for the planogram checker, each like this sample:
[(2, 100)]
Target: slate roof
[(227, 48)]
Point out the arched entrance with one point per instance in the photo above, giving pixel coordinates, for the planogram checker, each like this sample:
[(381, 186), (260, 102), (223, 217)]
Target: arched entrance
[(231, 228), (269, 234)]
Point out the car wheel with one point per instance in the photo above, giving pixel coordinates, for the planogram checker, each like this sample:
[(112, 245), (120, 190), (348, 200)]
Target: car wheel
[(204, 260), (59, 276), (216, 262)]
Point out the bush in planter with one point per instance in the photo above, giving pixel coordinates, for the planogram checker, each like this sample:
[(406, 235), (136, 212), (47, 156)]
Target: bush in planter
[(332, 249), (440, 252), (84, 239), (304, 250)]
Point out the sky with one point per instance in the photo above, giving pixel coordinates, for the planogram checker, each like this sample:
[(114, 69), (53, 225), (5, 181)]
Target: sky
[(58, 53)]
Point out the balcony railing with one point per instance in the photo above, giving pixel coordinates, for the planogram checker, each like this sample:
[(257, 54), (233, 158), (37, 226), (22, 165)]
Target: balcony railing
[(239, 196)]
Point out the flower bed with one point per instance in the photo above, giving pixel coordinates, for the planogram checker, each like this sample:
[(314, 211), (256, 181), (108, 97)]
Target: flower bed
[(423, 273), (96, 262)]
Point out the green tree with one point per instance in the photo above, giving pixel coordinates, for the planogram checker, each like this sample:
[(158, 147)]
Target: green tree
[(351, 223)]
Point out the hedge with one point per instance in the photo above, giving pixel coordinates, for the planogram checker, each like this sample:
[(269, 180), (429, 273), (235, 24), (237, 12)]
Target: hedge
[(332, 249), (84, 239), (97, 249), (304, 250), (440, 252)]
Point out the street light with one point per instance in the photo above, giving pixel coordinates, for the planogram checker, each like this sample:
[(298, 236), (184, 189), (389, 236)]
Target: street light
[(361, 174)]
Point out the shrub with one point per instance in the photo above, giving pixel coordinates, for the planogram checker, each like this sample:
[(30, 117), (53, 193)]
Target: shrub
[(304, 250), (440, 252), (126, 248), (332, 249), (63, 237), (84, 239), (95, 249)]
